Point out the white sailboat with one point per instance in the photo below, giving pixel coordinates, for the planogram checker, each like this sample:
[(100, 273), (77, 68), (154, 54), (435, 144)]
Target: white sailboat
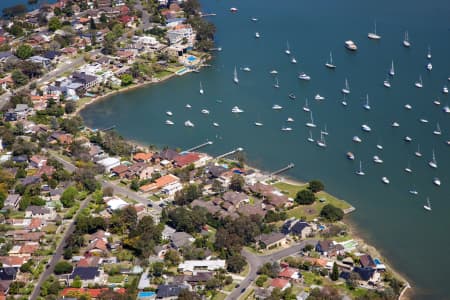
[(310, 138), (288, 50), (169, 122), (276, 85), (419, 84), (428, 205), (188, 123), (330, 64), (360, 172), (433, 162), (406, 41), (437, 181), (321, 143), (429, 66), (385, 180), (418, 153), (437, 131), (387, 83), (392, 70), (408, 168), (429, 52), (346, 89), (311, 123), (235, 77), (169, 113), (201, 89), (367, 104), (293, 60), (373, 35), (344, 101), (325, 131), (306, 106)]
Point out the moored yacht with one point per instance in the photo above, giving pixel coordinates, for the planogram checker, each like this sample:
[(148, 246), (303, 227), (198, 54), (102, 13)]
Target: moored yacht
[(418, 153), (169, 113), (356, 139), (310, 138), (395, 124), (433, 162), (257, 35), (367, 104), (205, 111), (306, 106), (350, 156), (293, 60), (350, 45), (406, 41), (387, 83), (188, 105), (408, 106), (258, 124), (311, 122), (360, 172), (290, 119), (385, 180), (188, 124), (329, 64), (284, 128), (277, 107), (373, 35), (429, 66), (304, 76), (419, 84), (429, 52), (236, 110), (319, 97), (366, 128), (169, 122), (437, 181), (408, 139), (428, 205), (288, 50), (445, 89), (377, 159), (437, 131), (292, 96), (215, 124), (321, 143), (346, 89)]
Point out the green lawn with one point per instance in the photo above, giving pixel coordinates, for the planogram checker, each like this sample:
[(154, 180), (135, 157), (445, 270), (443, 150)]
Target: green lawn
[(219, 296), (309, 211), (311, 278), (162, 74), (116, 278)]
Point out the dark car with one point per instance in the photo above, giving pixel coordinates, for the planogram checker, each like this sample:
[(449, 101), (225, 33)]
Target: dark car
[(243, 290), (149, 204)]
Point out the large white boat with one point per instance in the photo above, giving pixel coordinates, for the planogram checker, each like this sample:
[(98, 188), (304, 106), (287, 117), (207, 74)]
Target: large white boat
[(205, 111), (437, 131), (277, 107), (188, 124), (236, 110), (274, 72), (293, 60), (304, 76), (169, 113), (329, 64), (433, 162), (246, 69), (346, 89), (356, 139), (188, 106), (406, 41), (387, 83), (429, 66), (169, 122), (373, 35), (350, 45), (385, 180), (319, 97), (377, 159), (395, 124), (445, 90), (258, 124), (437, 181), (257, 35), (366, 128), (311, 122)]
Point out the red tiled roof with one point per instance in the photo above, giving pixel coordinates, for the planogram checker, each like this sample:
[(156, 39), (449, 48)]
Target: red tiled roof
[(279, 283), (159, 183), (186, 159), (287, 272), (12, 260), (142, 156), (35, 223)]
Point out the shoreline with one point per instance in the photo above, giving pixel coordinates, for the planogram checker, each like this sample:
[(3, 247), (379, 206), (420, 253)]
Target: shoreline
[(356, 234)]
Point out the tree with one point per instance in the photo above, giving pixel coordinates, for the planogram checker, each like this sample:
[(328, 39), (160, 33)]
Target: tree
[(316, 186), (185, 294), (19, 78), (24, 51), (68, 196), (236, 263), (2, 198), (70, 107), (305, 197), (92, 25), (261, 280), (188, 194), (334, 273), (126, 79), (54, 24), (172, 257), (332, 213), (63, 267), (217, 186), (77, 283), (157, 269), (237, 183)]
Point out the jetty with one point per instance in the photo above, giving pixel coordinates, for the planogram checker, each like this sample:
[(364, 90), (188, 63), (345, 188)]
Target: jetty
[(198, 147), (208, 15), (229, 153), (289, 166), (108, 128)]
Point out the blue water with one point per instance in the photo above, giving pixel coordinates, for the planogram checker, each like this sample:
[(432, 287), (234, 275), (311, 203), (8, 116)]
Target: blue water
[(8, 3), (387, 215), (146, 294)]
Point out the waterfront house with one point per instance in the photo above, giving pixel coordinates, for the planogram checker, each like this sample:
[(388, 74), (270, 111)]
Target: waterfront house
[(168, 184), (271, 240), (296, 228), (329, 248), (143, 157), (86, 80), (109, 163), (366, 261)]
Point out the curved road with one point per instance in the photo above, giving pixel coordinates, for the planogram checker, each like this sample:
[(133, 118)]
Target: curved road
[(255, 261)]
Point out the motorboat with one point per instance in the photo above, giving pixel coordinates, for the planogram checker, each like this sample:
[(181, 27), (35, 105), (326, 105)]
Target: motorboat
[(292, 96), (413, 192), (246, 69), (277, 107), (350, 156), (257, 35), (304, 76), (254, 19), (422, 120), (188, 124), (408, 139), (445, 89), (350, 45), (385, 180), (290, 119), (395, 124), (286, 128), (169, 113), (356, 139), (205, 111), (259, 124), (429, 53), (366, 128), (408, 106), (236, 110), (437, 101), (377, 159), (233, 9), (201, 91), (437, 181), (319, 97), (387, 83), (188, 106), (216, 124), (293, 60), (429, 66), (274, 72), (344, 101), (446, 109), (169, 122), (379, 147)]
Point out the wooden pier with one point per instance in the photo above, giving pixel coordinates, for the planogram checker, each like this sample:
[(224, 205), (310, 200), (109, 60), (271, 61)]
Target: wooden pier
[(289, 166), (229, 153), (198, 147)]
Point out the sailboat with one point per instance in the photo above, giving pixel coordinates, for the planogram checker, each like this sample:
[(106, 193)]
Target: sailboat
[(433, 162), (360, 171), (344, 101), (235, 78), (437, 131), (276, 85), (373, 35), (310, 138), (311, 123), (406, 41), (429, 52), (367, 105), (201, 89), (330, 64), (306, 107), (419, 84), (293, 60), (387, 83), (288, 50), (408, 168), (428, 205), (346, 89), (392, 70), (321, 142), (325, 131), (418, 153)]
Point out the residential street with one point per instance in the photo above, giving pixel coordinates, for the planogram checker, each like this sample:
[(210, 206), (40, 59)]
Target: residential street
[(256, 261), (58, 253)]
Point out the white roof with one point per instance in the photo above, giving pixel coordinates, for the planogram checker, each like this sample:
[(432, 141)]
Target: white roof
[(116, 203), (109, 161), (211, 265)]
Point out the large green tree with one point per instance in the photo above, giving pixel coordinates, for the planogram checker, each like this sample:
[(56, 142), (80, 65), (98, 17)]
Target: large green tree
[(332, 213), (54, 24), (69, 196), (305, 197), (24, 51)]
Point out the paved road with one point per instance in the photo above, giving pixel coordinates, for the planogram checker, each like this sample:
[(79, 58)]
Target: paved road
[(256, 261), (58, 253)]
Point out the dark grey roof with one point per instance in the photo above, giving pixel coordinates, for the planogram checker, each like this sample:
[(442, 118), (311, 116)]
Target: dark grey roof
[(85, 273), (298, 227), (168, 154), (83, 77), (364, 273), (38, 210), (20, 158), (8, 273), (5, 54), (30, 180), (271, 237), (180, 239), (169, 290)]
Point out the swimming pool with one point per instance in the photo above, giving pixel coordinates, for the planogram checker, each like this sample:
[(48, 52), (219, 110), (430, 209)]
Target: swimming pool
[(146, 294), (191, 58), (377, 261)]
